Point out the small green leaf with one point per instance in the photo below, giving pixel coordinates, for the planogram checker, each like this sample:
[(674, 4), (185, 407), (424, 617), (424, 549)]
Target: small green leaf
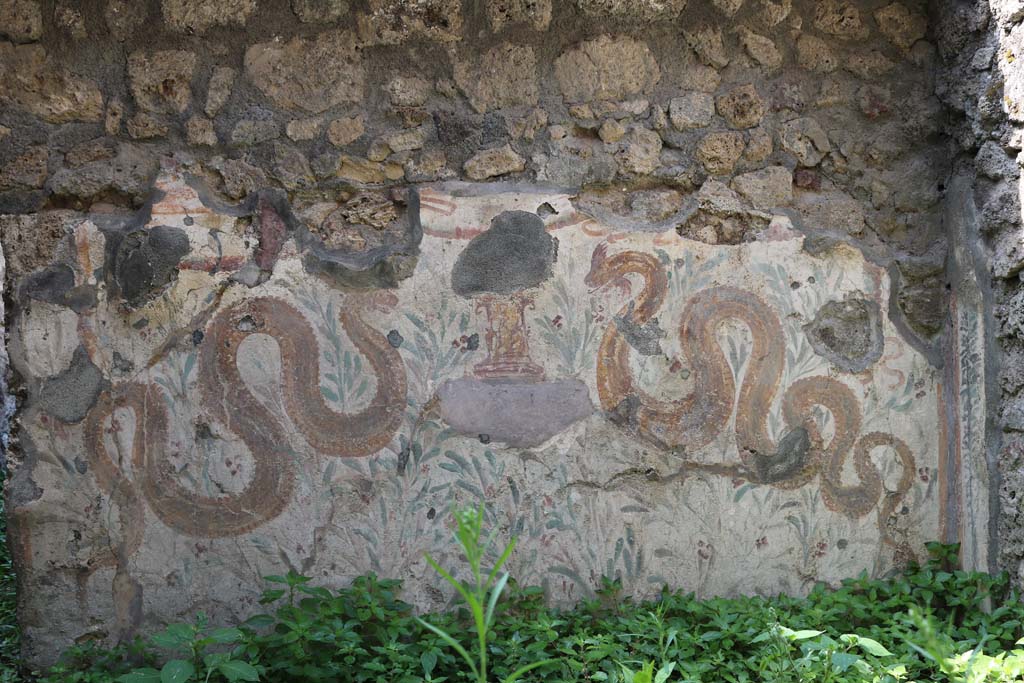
[(873, 647), (428, 660), (168, 642), (842, 661), (176, 671), (316, 591), (235, 670), (664, 672), (259, 621), (223, 636), (804, 634), (182, 631)]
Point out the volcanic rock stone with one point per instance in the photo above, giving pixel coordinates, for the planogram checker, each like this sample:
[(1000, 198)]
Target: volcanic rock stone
[(611, 131), (282, 71), (773, 13), (124, 17), (365, 171), (504, 76), (345, 131), (130, 172), (741, 107), (691, 110), (26, 170), (199, 131), (728, 7), (868, 65), (708, 44), (391, 22), (303, 129), (640, 11), (720, 151), (766, 188), (320, 11), (31, 80), (198, 16), (814, 54), (640, 153), (759, 145), (805, 139), (494, 162), (162, 81), (760, 48), (70, 21), (840, 19), (408, 91), (218, 90), (21, 20), (145, 126), (407, 140), (901, 26), (536, 13), (606, 68)]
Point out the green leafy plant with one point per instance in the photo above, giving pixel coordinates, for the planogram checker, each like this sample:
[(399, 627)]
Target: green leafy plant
[(934, 622), (10, 634), (481, 593), (970, 666), (195, 663), (646, 673), (89, 662)]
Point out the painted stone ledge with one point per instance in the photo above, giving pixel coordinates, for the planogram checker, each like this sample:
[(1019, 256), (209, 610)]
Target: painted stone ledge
[(624, 401)]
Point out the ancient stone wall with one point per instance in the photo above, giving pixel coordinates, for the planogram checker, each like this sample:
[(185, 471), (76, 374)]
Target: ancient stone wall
[(685, 292), (982, 83)]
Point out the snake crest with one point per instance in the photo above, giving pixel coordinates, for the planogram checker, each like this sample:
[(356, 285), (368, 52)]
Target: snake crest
[(693, 421), (228, 402)]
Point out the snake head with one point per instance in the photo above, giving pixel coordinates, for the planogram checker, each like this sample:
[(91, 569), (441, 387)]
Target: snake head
[(604, 272), (599, 274)]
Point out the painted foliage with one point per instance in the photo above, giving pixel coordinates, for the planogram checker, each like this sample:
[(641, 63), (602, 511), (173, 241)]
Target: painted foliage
[(634, 404)]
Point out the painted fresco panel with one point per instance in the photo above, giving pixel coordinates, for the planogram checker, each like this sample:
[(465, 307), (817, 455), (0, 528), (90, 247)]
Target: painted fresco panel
[(626, 403)]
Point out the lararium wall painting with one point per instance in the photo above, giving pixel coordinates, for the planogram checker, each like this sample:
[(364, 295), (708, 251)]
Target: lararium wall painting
[(628, 402)]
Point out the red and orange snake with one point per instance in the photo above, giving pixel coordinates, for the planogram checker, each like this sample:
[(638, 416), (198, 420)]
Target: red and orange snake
[(696, 419), (227, 400)]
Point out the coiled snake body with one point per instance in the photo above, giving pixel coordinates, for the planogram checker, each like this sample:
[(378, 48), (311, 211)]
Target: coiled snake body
[(696, 419), (227, 401)]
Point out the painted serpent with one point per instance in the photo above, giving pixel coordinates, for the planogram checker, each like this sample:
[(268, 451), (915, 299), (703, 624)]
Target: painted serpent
[(696, 419), (228, 401)]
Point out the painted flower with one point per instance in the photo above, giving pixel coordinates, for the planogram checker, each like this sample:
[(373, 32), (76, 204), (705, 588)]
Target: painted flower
[(467, 342)]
